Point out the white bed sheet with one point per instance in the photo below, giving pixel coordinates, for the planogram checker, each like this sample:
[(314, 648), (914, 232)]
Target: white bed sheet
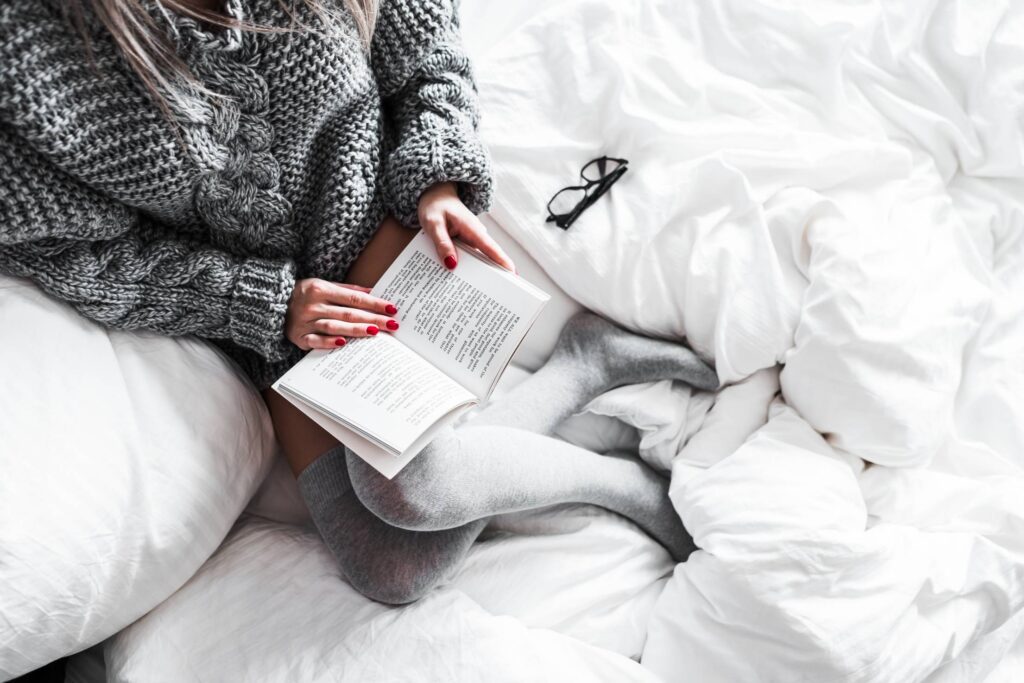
[(270, 605)]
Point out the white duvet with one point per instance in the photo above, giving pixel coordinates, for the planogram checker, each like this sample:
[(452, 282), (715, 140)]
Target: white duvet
[(835, 187), (838, 187)]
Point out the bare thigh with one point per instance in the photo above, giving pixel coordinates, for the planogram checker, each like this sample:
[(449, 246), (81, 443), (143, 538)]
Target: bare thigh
[(302, 439)]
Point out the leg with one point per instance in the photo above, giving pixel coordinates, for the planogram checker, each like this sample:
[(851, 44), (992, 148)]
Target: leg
[(493, 466), (477, 472), (592, 356), (380, 561), (383, 562)]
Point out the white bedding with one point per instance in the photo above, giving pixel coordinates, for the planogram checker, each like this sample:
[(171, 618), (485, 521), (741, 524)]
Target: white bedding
[(271, 606), (837, 187), (124, 461), (833, 186)]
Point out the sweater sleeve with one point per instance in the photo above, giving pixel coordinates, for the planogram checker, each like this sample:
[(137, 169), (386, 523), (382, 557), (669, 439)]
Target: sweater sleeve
[(118, 266), (431, 107)]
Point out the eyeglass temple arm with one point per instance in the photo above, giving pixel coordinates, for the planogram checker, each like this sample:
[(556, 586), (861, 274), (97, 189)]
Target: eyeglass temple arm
[(604, 185)]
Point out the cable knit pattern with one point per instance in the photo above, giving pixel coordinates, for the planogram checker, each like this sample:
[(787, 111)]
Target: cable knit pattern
[(241, 199), (286, 177)]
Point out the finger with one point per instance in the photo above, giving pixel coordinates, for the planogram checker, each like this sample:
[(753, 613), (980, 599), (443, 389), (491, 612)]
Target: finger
[(332, 293), (436, 227), (473, 232), (337, 328), (358, 288), (320, 341), (353, 317)]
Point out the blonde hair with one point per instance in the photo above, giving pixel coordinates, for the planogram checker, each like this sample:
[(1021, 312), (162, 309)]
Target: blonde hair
[(151, 54)]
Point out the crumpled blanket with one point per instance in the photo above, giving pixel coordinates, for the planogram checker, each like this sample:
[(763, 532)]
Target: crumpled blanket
[(834, 189)]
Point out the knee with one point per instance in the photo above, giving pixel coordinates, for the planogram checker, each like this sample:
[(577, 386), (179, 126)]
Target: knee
[(390, 590), (386, 584), (411, 506), (401, 506), (420, 497)]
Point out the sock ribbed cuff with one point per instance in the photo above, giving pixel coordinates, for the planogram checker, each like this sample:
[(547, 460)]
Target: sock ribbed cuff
[(325, 479)]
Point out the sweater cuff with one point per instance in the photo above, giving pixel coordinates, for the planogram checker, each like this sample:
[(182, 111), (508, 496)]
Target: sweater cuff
[(258, 306), (450, 154)]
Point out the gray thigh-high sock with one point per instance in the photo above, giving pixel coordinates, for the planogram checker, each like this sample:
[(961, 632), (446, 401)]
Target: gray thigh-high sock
[(382, 562), (493, 465), (592, 356)]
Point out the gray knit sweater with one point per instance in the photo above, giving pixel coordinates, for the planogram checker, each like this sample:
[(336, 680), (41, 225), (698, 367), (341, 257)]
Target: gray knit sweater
[(287, 179)]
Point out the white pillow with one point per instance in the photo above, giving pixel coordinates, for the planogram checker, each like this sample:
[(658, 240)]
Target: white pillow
[(125, 459)]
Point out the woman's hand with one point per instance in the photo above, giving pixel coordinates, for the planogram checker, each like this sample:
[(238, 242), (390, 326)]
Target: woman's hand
[(443, 216), (322, 313)]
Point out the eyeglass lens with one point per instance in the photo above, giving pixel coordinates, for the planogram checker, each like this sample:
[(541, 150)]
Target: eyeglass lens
[(567, 200), (600, 168)]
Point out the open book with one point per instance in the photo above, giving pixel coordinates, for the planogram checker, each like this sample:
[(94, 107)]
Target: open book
[(386, 396)]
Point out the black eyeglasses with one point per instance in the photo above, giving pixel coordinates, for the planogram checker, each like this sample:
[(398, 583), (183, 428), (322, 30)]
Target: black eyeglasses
[(569, 202)]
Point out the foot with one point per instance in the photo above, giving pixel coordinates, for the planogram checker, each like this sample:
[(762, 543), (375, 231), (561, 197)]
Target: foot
[(621, 357), (651, 509), (678, 542)]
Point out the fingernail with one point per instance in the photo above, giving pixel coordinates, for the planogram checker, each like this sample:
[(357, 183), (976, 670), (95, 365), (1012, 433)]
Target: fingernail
[(392, 324), (339, 342), (390, 309), (450, 262), (372, 329)]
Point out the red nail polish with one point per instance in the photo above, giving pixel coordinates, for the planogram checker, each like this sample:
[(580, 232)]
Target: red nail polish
[(390, 309), (392, 324), (450, 262), (339, 342), (372, 330)]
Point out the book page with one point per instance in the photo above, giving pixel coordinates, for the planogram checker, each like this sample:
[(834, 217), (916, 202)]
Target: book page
[(385, 462), (468, 322), (376, 387)]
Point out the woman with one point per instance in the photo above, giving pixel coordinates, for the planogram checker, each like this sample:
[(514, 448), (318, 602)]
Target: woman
[(244, 172)]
